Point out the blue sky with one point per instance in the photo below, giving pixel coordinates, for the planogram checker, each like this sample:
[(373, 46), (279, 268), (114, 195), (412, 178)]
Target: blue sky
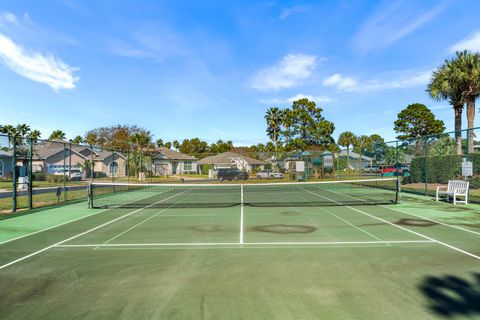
[(210, 69)]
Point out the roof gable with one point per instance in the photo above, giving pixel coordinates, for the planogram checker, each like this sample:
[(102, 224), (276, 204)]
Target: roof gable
[(226, 158), (166, 153)]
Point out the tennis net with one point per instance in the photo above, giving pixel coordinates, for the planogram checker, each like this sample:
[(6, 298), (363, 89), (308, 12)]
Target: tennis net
[(294, 194)]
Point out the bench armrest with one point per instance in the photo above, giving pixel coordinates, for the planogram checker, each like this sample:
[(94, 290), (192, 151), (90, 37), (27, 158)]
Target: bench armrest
[(442, 187)]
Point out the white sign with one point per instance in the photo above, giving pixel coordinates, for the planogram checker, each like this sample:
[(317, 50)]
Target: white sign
[(467, 169), (328, 161), (299, 166)]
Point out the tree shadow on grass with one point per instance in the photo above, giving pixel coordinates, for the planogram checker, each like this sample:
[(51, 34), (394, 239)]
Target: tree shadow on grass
[(450, 296)]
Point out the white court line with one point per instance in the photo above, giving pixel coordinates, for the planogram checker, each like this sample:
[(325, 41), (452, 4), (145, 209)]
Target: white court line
[(241, 214), (347, 222), (52, 227), (431, 220), (411, 214), (61, 224), (172, 244), (80, 234), (400, 227), (143, 221)]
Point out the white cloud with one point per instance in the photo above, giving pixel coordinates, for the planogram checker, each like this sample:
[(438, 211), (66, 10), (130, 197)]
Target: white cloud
[(393, 80), (340, 82), (150, 42), (286, 12), (288, 73), (23, 28), (281, 101), (472, 43), (35, 66), (392, 21), (317, 99)]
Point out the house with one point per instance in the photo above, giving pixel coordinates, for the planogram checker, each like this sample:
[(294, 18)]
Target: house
[(233, 160), (5, 163), (50, 157), (355, 158), (168, 162)]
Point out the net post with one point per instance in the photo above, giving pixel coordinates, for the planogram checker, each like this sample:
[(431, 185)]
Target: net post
[(241, 213), (398, 193), (90, 195), (241, 194)]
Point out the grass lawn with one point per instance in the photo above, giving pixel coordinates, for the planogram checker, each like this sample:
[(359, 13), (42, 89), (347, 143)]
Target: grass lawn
[(42, 200)]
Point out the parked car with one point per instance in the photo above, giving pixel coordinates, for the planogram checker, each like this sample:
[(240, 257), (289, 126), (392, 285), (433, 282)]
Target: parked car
[(231, 174), (269, 174), (390, 171), (372, 169), (74, 175)]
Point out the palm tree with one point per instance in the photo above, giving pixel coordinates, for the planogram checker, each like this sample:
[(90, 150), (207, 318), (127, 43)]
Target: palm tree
[(11, 132), (168, 144), (274, 116), (362, 143), (57, 135), (465, 75), (346, 139), (78, 140), (288, 120), (91, 139), (442, 87), (392, 156), (141, 140), (176, 144), (34, 135), (22, 129), (159, 143)]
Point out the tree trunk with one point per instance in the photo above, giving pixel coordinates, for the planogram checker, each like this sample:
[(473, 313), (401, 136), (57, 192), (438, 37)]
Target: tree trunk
[(471, 122), (348, 157), (458, 127)]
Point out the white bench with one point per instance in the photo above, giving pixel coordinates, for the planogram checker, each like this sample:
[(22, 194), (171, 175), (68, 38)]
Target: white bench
[(454, 189)]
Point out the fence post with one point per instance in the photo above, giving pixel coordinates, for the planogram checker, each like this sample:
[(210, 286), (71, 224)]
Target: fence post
[(14, 173), (30, 175), (468, 145), (396, 159), (425, 147), (127, 169), (64, 172)]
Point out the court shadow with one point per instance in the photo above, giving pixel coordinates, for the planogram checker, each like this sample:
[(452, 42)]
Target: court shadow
[(451, 296)]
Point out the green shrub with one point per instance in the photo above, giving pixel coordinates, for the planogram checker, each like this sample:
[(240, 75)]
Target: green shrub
[(206, 167), (475, 181), (54, 178), (440, 169), (99, 174), (39, 176)]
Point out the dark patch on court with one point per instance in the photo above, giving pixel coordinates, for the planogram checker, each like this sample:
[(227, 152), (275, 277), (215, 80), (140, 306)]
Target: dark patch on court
[(207, 227), (416, 223), (283, 228), (291, 213)]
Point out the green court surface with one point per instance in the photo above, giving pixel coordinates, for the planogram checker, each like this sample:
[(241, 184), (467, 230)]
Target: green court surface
[(414, 260)]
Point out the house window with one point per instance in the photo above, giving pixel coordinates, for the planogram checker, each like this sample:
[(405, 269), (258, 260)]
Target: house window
[(113, 167), (187, 166), (1, 168)]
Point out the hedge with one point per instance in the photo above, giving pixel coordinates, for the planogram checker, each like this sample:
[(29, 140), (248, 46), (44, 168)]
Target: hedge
[(440, 169)]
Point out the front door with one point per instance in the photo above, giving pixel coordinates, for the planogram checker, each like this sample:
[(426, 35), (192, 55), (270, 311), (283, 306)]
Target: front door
[(174, 167)]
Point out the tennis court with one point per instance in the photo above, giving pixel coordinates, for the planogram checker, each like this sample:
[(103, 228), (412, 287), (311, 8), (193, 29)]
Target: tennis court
[(330, 250)]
